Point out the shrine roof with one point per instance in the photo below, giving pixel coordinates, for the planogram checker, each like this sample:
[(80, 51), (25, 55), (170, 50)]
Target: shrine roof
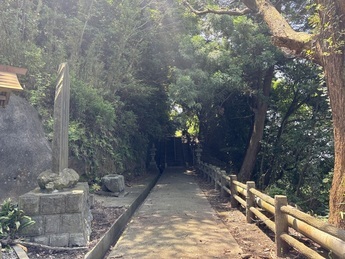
[(8, 78), (9, 81)]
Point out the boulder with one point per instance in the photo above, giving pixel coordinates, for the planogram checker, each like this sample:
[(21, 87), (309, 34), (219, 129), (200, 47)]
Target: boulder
[(46, 179), (25, 152), (50, 181), (113, 183)]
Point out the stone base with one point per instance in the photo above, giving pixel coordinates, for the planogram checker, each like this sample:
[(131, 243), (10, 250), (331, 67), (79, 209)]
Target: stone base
[(63, 218), (153, 168), (113, 183)]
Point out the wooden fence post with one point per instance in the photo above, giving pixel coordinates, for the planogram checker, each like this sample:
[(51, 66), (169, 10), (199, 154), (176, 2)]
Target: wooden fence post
[(281, 225), (223, 183), (250, 202), (233, 201), (203, 169), (207, 173), (216, 177), (213, 170)]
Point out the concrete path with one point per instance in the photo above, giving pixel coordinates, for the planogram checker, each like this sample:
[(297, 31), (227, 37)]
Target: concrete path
[(176, 221)]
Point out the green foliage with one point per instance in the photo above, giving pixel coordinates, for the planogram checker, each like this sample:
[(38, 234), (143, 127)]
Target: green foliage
[(12, 220), (133, 62), (219, 79), (119, 71), (297, 149), (95, 188)]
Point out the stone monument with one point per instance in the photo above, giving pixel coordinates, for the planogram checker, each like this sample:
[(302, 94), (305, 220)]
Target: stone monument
[(60, 206), (153, 168)]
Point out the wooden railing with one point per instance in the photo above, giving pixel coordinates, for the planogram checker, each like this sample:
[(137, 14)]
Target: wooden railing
[(277, 215)]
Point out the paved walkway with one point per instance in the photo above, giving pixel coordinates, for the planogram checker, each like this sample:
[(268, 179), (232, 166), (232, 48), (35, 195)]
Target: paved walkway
[(176, 221)]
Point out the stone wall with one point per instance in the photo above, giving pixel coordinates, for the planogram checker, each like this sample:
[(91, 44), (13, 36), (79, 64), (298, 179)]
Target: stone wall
[(63, 218)]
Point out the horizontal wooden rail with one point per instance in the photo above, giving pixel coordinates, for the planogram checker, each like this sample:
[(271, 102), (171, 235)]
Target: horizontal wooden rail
[(277, 215), (241, 190), (263, 196), (240, 200), (242, 185), (325, 227), (226, 189), (265, 205), (303, 249), (266, 220)]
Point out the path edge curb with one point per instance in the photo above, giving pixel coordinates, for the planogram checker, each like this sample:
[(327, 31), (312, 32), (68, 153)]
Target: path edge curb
[(115, 231)]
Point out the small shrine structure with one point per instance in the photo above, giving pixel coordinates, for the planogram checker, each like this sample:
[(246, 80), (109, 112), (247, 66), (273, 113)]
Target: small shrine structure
[(9, 82)]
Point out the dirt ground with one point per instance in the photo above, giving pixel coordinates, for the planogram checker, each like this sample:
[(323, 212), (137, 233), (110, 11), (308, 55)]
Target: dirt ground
[(255, 240)]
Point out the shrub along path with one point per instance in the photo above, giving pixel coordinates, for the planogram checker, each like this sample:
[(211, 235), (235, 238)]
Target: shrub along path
[(176, 221)]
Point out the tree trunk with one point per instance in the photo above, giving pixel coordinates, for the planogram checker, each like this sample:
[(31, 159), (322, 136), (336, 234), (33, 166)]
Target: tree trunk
[(331, 49), (258, 129), (334, 71), (328, 50)]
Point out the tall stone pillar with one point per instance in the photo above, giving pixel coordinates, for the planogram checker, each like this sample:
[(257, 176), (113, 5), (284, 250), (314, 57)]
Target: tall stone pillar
[(61, 120)]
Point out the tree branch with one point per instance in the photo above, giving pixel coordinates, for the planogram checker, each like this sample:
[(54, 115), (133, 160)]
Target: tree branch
[(233, 12), (283, 35)]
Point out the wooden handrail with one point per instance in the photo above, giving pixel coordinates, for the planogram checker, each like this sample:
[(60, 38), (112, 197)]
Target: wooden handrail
[(324, 226), (324, 234)]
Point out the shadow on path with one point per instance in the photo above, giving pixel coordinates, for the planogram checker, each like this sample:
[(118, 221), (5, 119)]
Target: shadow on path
[(176, 221)]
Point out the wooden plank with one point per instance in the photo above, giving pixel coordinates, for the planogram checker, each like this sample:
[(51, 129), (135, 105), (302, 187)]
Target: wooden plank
[(20, 252), (13, 70)]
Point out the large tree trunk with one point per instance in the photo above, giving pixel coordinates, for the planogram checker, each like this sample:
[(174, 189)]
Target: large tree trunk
[(327, 49), (335, 78), (331, 50), (258, 129)]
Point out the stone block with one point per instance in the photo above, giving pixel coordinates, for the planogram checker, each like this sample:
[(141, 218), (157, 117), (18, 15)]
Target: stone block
[(52, 203), (77, 239), (75, 201), (44, 240), (82, 186), (35, 229), (59, 240), (52, 224), (113, 183), (72, 223), (64, 217), (30, 204)]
